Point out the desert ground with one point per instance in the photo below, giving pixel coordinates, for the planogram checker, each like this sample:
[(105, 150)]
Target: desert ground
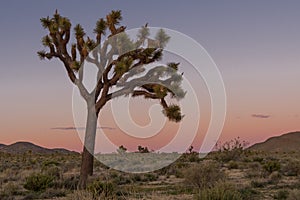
[(231, 172)]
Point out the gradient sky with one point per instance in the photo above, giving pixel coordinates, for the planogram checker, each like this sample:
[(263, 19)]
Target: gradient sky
[(255, 44)]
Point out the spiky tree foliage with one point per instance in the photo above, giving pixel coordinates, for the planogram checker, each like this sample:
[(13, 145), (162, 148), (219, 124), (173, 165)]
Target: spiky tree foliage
[(120, 60)]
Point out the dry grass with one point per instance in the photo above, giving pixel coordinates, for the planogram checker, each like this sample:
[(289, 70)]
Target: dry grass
[(253, 176)]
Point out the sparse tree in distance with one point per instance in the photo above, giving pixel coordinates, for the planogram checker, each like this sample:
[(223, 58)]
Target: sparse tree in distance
[(143, 149), (122, 149), (118, 60)]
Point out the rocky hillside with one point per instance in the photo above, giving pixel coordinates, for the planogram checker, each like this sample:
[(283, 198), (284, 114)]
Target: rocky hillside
[(25, 147), (284, 143)]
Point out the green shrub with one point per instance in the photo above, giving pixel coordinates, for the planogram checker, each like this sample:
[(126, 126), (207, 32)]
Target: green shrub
[(272, 166), (48, 163), (51, 193), (120, 179), (136, 177), (101, 189), (71, 182), (275, 177), (258, 183), (248, 193), (10, 189), (233, 165), (294, 195), (281, 195), (150, 177), (292, 168), (258, 159), (178, 173), (205, 174), (222, 191), (38, 182), (52, 171), (231, 150), (190, 157)]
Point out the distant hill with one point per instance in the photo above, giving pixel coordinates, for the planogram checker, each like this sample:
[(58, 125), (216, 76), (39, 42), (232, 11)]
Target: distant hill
[(2, 145), (24, 147), (284, 143)]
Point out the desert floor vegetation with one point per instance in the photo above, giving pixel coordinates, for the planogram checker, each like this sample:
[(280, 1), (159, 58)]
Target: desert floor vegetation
[(248, 174)]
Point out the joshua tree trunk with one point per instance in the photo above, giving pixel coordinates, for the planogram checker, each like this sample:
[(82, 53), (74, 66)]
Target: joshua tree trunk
[(88, 149)]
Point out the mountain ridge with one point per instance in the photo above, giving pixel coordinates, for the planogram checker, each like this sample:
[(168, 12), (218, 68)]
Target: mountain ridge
[(286, 142), (21, 147)]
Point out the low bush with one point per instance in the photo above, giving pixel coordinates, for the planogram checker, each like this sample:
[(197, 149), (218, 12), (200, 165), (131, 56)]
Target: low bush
[(259, 183), (233, 165), (222, 191), (281, 195), (204, 175), (101, 189), (292, 168), (275, 177), (52, 193), (70, 183), (231, 150), (294, 195), (272, 166), (38, 182), (248, 193)]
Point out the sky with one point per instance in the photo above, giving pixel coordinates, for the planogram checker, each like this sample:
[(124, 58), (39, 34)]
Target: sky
[(255, 45)]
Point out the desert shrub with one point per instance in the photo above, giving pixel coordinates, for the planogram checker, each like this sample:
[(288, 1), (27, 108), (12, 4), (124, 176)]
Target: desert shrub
[(221, 191), (254, 170), (231, 150), (150, 177), (233, 165), (175, 168), (10, 189), (52, 193), (48, 163), (136, 177), (101, 189), (31, 195), (257, 159), (248, 193), (38, 182), (292, 168), (274, 177), (190, 157), (98, 164), (51, 168), (204, 175), (81, 195), (52, 171), (180, 164), (254, 165), (144, 177), (259, 183), (71, 182), (281, 195), (271, 166), (178, 173), (120, 179), (294, 195)]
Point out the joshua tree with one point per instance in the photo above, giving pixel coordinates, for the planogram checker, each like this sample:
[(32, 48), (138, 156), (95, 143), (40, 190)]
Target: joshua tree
[(122, 149), (118, 60), (143, 149)]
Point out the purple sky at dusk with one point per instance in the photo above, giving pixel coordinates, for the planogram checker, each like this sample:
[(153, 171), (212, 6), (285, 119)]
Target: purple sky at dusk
[(255, 44)]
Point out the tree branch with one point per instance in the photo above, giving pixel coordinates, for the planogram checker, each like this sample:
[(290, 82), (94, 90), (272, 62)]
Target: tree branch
[(147, 95)]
